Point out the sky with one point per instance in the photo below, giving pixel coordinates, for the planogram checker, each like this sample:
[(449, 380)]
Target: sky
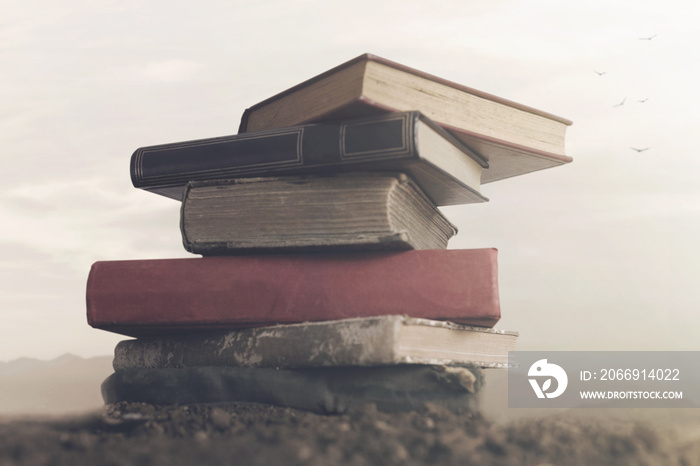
[(599, 254)]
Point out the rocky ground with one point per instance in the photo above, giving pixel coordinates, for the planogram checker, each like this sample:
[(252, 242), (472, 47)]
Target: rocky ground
[(258, 434)]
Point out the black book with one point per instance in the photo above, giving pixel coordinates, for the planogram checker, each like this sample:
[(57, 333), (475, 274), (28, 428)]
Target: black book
[(444, 168)]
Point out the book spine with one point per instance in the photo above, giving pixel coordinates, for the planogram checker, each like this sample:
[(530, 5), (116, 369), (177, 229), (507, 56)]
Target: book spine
[(325, 391), (284, 150), (335, 343), (243, 125), (139, 297)]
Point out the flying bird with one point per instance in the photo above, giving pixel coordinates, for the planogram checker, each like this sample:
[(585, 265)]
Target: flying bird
[(647, 38), (643, 100), (600, 73), (621, 103), (639, 150)]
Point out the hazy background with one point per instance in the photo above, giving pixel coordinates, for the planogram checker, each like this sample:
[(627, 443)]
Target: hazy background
[(599, 254)]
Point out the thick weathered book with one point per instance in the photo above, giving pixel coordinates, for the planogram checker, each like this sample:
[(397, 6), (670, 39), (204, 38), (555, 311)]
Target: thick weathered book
[(352, 211), (443, 167), (327, 390), (157, 296), (514, 138), (369, 341)]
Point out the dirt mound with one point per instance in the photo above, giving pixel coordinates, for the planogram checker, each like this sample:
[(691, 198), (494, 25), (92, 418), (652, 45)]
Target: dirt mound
[(259, 434)]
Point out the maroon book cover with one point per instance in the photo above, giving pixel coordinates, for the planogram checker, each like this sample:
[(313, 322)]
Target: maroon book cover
[(147, 297)]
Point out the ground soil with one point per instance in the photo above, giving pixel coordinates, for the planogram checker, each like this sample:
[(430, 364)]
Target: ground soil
[(250, 434)]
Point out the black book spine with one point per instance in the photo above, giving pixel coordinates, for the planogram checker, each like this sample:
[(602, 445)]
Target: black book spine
[(292, 150)]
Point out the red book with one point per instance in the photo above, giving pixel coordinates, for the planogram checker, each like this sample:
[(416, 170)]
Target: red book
[(147, 297)]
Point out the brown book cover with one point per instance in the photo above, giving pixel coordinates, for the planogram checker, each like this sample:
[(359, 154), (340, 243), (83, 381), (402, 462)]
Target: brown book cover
[(514, 138), (336, 212), (142, 297)]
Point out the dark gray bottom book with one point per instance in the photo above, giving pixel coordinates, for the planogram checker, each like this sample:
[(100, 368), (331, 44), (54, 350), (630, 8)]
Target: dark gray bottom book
[(335, 390)]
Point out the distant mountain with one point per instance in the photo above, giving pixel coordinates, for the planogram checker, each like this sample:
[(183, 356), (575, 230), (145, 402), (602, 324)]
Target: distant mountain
[(22, 365), (67, 384)]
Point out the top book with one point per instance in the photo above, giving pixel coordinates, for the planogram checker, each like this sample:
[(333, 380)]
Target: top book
[(514, 138)]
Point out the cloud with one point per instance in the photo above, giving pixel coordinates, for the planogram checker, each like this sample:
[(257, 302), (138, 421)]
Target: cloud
[(167, 71), (79, 221)]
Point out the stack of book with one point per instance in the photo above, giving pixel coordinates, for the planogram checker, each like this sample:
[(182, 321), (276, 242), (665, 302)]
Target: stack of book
[(326, 282)]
